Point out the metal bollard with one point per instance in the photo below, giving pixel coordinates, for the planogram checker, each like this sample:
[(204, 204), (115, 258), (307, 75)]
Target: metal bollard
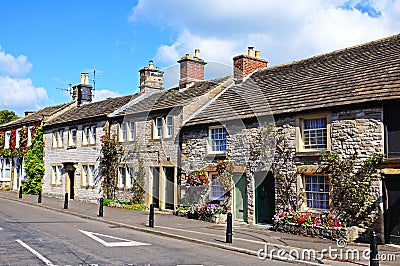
[(151, 216), (66, 201), (20, 192), (373, 246), (229, 228), (101, 210), (39, 199)]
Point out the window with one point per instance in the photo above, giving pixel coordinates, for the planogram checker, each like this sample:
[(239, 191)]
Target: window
[(88, 175), (89, 135), (7, 138), (312, 133), (130, 176), (217, 140), (169, 125), (317, 192), (159, 128), (7, 169), (72, 138), (56, 174), (121, 177), (29, 142), (217, 190), (17, 137), (122, 132), (131, 131), (57, 139)]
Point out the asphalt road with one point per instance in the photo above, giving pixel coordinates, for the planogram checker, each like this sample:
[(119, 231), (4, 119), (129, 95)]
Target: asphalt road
[(30, 235)]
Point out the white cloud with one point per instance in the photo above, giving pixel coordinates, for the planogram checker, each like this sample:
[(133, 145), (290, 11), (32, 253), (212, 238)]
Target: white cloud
[(284, 30), (14, 66), (103, 94), (19, 94)]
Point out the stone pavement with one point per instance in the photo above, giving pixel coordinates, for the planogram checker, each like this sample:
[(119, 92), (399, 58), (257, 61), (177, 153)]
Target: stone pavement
[(253, 240)]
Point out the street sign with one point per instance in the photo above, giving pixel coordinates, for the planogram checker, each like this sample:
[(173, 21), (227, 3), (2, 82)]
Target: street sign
[(121, 243)]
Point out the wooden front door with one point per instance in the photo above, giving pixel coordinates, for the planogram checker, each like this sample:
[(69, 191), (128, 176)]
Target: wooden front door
[(240, 197), (391, 188), (264, 197)]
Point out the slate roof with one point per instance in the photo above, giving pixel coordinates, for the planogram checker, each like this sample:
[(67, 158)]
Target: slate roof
[(91, 111), (35, 117), (360, 74), (173, 97)]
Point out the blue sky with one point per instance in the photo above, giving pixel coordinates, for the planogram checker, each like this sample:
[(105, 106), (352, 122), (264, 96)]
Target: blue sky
[(44, 45)]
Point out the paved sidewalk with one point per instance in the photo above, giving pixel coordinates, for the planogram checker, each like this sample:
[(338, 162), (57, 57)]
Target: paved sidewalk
[(246, 239)]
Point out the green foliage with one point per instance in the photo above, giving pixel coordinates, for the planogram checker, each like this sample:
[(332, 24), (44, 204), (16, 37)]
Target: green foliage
[(351, 184), (111, 152), (132, 204), (34, 164), (225, 174), (7, 116)]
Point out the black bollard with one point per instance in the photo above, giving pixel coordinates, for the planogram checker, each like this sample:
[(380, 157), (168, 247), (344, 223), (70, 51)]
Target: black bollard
[(101, 211), (20, 192), (39, 199), (229, 228), (66, 201), (151, 216), (373, 246)]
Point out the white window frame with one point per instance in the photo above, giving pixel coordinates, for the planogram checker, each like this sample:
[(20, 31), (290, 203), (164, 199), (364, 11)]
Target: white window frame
[(169, 126), (215, 185), (7, 138), (56, 175), (57, 138), (132, 130), (17, 137), (211, 140), (92, 135), (300, 133), (85, 135), (29, 142), (158, 128), (129, 177), (122, 132), (121, 177), (72, 137), (87, 175)]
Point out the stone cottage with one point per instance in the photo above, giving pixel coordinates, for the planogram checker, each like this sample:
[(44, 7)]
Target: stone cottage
[(346, 102), (149, 130), (15, 138)]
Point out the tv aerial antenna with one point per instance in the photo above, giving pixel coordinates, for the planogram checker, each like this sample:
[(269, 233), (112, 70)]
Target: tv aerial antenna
[(94, 71), (69, 90)]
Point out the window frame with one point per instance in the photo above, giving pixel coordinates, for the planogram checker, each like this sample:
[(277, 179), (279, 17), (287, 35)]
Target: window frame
[(213, 176), (210, 140), (56, 175), (122, 132), (7, 139), (87, 175), (169, 128), (300, 142), (121, 185), (303, 186), (17, 137), (158, 128), (132, 130), (72, 140)]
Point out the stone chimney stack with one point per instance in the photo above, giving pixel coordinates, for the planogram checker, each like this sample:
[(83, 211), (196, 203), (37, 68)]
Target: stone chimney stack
[(151, 78), (82, 93), (244, 65), (191, 69)]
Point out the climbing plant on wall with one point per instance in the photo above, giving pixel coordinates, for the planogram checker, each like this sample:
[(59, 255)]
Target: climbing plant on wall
[(33, 164), (111, 154)]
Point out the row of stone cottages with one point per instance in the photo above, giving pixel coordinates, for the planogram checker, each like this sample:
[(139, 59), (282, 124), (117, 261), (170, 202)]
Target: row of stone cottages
[(344, 102)]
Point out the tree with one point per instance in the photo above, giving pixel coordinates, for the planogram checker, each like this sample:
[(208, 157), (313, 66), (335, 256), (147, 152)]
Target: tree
[(7, 116)]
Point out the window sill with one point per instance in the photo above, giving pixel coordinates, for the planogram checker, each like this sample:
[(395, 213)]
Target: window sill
[(216, 154), (71, 147), (312, 153)]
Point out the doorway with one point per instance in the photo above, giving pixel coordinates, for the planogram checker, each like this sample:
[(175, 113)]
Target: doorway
[(155, 191), (169, 187), (240, 197), (391, 189), (264, 197), (71, 184)]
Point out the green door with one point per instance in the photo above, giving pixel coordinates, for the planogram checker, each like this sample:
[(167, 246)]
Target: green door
[(265, 197), (240, 197), (169, 187)]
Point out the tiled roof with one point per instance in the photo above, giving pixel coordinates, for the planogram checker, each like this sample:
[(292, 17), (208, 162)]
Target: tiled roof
[(35, 117), (173, 97), (93, 110), (360, 74)]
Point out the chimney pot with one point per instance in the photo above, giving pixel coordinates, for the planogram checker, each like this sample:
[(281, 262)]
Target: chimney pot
[(197, 53), (151, 64), (250, 51), (257, 53)]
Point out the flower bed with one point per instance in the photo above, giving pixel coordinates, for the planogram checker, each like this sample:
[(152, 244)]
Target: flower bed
[(132, 204), (323, 225), (207, 212)]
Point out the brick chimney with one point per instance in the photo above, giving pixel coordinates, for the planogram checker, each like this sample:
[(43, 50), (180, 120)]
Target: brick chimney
[(191, 69), (82, 93), (244, 65), (151, 78)]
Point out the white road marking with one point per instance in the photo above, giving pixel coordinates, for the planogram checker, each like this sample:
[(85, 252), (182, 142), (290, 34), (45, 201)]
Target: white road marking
[(37, 254), (123, 243), (1, 229)]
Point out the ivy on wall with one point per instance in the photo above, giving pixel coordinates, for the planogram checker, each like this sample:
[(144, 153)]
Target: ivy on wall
[(33, 164)]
